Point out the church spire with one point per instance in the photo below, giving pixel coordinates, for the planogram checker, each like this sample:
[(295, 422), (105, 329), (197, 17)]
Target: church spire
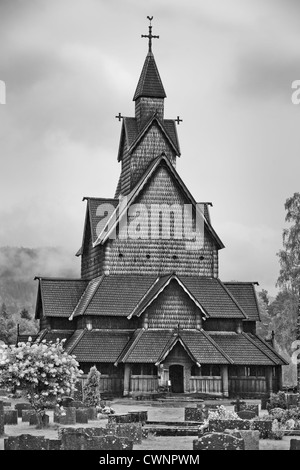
[(149, 84)]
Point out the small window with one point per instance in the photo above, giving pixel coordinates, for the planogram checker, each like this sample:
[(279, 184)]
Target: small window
[(175, 257), (205, 369), (121, 255), (148, 256), (201, 258), (136, 369), (215, 370), (195, 370)]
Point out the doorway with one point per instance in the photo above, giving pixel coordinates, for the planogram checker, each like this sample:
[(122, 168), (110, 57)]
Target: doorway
[(176, 377)]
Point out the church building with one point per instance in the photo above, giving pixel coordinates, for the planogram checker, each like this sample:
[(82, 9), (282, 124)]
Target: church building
[(149, 309)]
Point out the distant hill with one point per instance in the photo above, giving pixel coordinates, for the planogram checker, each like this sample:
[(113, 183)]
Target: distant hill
[(19, 266)]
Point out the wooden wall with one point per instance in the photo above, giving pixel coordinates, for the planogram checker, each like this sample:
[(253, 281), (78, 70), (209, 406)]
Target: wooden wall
[(146, 107), (179, 356), (173, 306), (151, 253)]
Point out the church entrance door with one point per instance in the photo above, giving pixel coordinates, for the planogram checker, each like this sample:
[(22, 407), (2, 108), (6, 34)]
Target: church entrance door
[(176, 376)]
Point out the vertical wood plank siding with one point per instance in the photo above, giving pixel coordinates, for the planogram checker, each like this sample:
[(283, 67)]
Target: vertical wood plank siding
[(240, 385), (143, 383), (211, 385)]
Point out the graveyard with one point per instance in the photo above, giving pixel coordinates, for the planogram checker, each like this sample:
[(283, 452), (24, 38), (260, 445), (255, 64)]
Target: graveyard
[(167, 424)]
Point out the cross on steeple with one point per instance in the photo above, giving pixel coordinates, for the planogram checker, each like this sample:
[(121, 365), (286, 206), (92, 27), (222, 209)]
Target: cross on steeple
[(119, 117), (150, 35), (178, 120)]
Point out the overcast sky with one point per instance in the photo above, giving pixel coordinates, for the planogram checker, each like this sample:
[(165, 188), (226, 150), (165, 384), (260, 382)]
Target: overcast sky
[(227, 67)]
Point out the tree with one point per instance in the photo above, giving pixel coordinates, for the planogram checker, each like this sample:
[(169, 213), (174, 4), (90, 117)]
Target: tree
[(7, 325), (25, 314), (43, 371), (289, 257), (91, 389)]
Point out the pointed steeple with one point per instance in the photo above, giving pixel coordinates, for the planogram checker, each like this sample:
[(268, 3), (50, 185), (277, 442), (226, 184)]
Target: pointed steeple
[(149, 94), (150, 84)]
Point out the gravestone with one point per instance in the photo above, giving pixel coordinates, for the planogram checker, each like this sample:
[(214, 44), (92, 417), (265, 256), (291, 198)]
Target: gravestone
[(263, 426), (69, 416), (246, 414), (22, 406), (139, 416), (34, 421), (26, 442), (54, 444), (295, 444), (81, 415), (67, 402), (10, 416), (72, 439), (119, 418), (77, 404), (1, 418), (131, 430), (108, 443), (292, 399), (264, 402), (218, 441), (92, 413), (193, 414), (219, 425), (251, 438), (26, 415)]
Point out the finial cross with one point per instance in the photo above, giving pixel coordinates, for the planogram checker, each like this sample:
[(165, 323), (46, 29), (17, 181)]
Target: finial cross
[(119, 116), (178, 120), (150, 36)]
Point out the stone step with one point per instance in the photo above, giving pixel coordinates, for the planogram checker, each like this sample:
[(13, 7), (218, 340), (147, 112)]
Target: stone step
[(160, 430)]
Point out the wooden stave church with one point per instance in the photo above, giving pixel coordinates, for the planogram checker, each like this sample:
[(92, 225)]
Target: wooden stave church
[(149, 312)]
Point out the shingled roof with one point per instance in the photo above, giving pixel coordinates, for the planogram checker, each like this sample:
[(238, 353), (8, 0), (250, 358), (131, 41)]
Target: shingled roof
[(113, 295), (213, 296), (244, 293), (133, 135), (149, 84), (58, 297), (244, 350), (152, 346), (100, 345), (160, 160)]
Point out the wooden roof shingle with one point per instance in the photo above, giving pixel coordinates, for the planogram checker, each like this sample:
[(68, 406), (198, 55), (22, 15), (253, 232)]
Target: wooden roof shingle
[(149, 84), (244, 293)]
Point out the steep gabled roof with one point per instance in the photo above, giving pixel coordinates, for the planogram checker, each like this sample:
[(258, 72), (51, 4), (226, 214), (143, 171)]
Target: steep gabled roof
[(121, 209), (156, 289), (133, 135), (58, 297), (245, 295), (149, 84)]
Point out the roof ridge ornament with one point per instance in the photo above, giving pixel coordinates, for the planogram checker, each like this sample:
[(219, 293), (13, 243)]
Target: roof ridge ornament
[(150, 36)]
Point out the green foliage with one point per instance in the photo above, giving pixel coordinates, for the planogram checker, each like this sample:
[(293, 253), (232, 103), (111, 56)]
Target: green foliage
[(277, 400), (41, 370), (91, 389)]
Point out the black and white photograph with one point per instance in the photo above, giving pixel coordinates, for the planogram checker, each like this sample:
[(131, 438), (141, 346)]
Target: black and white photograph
[(149, 228)]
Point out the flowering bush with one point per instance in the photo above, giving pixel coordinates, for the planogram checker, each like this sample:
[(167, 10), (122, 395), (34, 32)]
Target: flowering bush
[(222, 413), (41, 370), (277, 430), (277, 400)]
